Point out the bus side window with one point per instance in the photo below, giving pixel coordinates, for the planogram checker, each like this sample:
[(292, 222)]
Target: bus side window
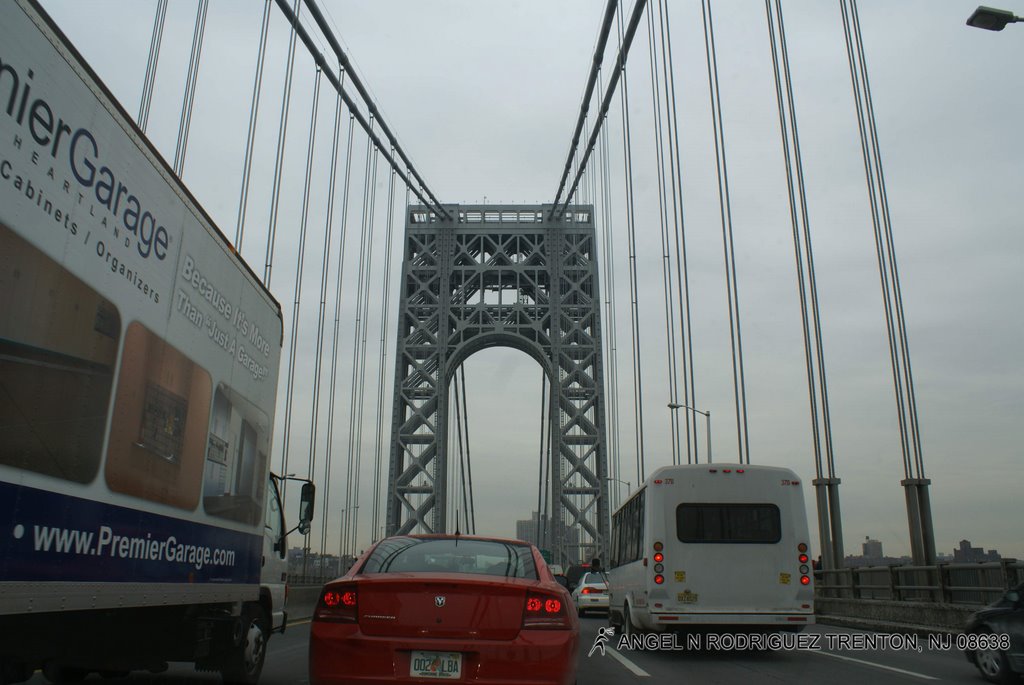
[(614, 560), (640, 509)]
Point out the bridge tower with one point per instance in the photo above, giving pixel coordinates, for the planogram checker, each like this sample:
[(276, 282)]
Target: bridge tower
[(512, 276)]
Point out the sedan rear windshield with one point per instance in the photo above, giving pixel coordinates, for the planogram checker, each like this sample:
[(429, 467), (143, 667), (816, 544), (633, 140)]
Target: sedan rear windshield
[(450, 555), (737, 523)]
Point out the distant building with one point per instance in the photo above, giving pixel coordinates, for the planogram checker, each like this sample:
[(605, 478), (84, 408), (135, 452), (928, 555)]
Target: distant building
[(526, 529), (967, 554), (314, 565), (871, 549)]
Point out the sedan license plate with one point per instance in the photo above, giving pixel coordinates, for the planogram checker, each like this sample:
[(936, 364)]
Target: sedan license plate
[(441, 665)]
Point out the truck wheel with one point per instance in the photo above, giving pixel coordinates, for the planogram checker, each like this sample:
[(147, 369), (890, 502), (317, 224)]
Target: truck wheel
[(244, 662)]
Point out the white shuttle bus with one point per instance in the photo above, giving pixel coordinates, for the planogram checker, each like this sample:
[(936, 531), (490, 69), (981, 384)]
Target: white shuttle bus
[(712, 545)]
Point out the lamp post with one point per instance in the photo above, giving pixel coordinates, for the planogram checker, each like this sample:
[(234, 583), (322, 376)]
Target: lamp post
[(992, 19), (619, 481), (707, 415), (628, 486)]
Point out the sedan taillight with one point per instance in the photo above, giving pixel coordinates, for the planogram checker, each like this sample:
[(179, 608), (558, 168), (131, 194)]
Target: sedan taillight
[(545, 611), (337, 603), (592, 591)]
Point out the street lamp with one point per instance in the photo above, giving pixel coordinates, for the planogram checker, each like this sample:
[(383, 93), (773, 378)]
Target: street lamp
[(992, 19), (707, 415), (621, 481)]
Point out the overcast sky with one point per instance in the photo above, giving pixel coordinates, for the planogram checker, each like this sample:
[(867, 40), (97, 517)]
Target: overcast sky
[(484, 95)]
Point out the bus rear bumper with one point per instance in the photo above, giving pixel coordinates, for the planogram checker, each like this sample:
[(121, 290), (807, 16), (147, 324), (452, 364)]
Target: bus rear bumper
[(787, 621)]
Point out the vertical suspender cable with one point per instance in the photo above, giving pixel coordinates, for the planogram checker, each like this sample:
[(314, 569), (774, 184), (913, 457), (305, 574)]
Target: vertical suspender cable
[(469, 462), (682, 270), (633, 302), (919, 517), (609, 305), (728, 245), (151, 62), (190, 87), (382, 370), (461, 452), (362, 352), (811, 314), (540, 470), (294, 336), (332, 190), (337, 319), (798, 248), (282, 134), (900, 319), (666, 265), (250, 138), (321, 316), (359, 346), (883, 269)]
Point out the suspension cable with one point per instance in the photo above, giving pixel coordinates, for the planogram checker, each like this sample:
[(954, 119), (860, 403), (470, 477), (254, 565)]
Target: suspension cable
[(634, 310), (461, 453), (666, 265), (588, 92), (296, 304), (619, 72), (282, 133), (322, 312), (337, 316), (682, 266), (913, 465), (728, 244), (250, 138), (540, 465), (382, 355), (332, 191), (469, 462), (609, 303), (359, 344), (151, 62), (190, 87), (318, 17), (901, 322), (367, 125), (810, 313)]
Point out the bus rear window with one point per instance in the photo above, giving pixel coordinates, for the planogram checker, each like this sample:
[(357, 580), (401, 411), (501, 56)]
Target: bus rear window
[(728, 523)]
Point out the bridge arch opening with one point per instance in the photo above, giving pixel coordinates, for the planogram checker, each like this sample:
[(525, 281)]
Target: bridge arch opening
[(503, 405)]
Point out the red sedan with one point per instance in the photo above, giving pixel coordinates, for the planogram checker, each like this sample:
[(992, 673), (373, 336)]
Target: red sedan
[(445, 607)]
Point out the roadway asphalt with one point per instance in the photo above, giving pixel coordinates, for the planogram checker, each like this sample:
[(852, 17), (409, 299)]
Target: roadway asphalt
[(287, 664)]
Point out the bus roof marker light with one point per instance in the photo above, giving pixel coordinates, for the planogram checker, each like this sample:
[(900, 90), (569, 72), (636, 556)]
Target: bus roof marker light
[(657, 481), (741, 470), (726, 470)]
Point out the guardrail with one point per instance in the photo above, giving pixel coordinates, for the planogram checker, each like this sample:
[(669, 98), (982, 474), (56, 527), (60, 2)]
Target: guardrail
[(978, 583)]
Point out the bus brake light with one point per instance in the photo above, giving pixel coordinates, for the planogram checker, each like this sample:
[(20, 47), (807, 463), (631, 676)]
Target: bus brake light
[(659, 579)]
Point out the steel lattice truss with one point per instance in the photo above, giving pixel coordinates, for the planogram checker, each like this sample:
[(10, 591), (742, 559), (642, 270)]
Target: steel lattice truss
[(511, 276)]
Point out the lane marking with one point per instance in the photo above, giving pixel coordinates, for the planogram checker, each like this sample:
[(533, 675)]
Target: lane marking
[(299, 623), (636, 670), (874, 665)]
